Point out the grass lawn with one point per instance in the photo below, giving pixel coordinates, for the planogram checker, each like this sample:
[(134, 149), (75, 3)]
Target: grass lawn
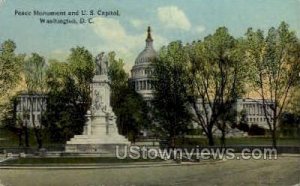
[(79, 160), (9, 139), (202, 141), (262, 141)]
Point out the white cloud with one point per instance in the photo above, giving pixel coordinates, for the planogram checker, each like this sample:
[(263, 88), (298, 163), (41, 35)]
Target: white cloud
[(114, 37), (137, 23), (173, 17), (200, 28), (1, 3)]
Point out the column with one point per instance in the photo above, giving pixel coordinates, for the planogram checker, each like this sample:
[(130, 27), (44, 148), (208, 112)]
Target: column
[(140, 85)]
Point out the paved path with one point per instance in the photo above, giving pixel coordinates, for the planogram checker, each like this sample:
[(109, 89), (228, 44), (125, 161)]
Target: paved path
[(283, 171)]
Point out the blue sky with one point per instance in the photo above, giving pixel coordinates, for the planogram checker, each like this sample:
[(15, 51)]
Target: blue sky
[(185, 20)]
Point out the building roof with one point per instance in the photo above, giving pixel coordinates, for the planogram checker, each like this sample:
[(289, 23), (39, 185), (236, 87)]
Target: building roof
[(148, 54)]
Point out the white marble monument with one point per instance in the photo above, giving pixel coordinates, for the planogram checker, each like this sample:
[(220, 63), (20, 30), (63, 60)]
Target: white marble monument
[(100, 133)]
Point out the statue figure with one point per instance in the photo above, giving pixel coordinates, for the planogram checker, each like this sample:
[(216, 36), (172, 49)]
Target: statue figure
[(98, 100), (101, 64)]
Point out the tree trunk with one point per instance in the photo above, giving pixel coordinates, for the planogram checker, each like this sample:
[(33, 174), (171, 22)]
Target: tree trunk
[(172, 142), (38, 137), (274, 133), (223, 139), (20, 134), (25, 128), (37, 131), (274, 138), (210, 137)]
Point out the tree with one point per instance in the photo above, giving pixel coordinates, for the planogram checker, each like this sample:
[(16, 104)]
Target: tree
[(10, 66), (290, 124), (82, 68), (227, 120), (69, 94), (216, 79), (34, 72), (35, 79), (293, 105), (243, 124), (130, 108), (276, 63), (58, 81), (170, 101)]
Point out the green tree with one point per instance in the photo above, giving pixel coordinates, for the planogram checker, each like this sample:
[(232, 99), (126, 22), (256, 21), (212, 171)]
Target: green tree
[(130, 108), (276, 63), (82, 70), (56, 121), (35, 79), (243, 123), (170, 101), (216, 79), (69, 94), (34, 72), (10, 66), (294, 101)]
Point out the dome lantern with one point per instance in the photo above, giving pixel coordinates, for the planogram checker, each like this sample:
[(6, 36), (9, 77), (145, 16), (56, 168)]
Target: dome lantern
[(149, 39), (148, 54)]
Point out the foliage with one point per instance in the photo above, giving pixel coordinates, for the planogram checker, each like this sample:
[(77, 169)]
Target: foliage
[(243, 124), (256, 130), (216, 79), (10, 66), (170, 100), (290, 125), (82, 69), (9, 119), (69, 94), (35, 77), (35, 73), (130, 108), (293, 105), (276, 66)]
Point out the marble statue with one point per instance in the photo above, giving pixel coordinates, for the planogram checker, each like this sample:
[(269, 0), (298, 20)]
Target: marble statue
[(101, 64)]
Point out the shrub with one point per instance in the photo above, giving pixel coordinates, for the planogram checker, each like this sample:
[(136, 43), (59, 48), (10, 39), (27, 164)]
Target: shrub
[(256, 130)]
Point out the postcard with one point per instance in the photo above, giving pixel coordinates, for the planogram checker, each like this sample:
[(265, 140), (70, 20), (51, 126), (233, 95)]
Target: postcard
[(137, 92)]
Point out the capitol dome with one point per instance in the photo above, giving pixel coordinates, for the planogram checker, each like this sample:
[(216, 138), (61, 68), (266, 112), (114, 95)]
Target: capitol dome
[(141, 71), (148, 54)]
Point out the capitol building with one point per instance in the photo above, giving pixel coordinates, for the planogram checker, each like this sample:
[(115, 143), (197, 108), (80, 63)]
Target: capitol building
[(142, 70), (142, 82)]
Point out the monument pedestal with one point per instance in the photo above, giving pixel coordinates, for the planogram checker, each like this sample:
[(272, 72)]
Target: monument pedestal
[(100, 133)]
